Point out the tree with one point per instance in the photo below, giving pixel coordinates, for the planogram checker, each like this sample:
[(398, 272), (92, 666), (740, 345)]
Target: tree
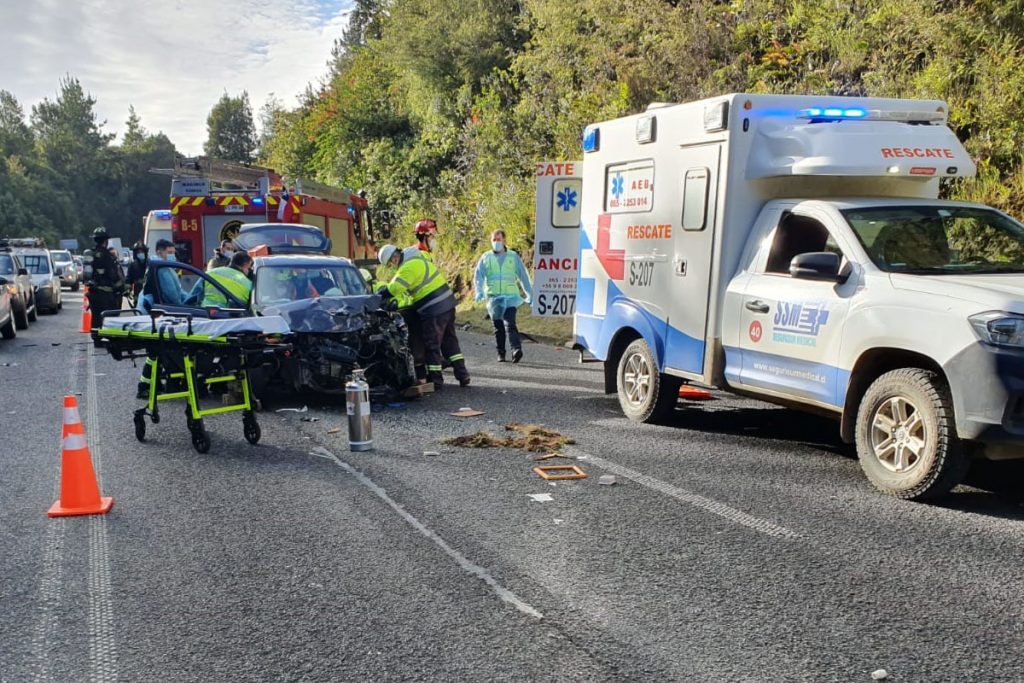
[(231, 132), (15, 136), (134, 133)]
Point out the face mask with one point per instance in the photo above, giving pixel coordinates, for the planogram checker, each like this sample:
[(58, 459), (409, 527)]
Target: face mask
[(140, 256), (227, 252), (432, 243), (497, 246), (171, 257)]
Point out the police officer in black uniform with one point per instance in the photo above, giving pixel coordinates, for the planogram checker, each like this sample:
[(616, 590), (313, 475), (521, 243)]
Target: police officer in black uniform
[(106, 285)]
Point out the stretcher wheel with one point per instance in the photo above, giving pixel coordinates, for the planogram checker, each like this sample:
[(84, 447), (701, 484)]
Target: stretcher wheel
[(251, 429), (155, 417), (200, 439), (140, 427), (189, 420)]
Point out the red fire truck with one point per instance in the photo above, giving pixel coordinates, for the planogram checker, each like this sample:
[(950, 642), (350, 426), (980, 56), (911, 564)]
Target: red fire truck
[(211, 199)]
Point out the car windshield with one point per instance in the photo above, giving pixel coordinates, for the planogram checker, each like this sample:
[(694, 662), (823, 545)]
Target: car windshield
[(281, 284), (6, 265), (943, 240), (60, 256), (37, 264)]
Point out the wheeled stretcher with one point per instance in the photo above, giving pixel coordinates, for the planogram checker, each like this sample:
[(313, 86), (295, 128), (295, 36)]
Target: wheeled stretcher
[(188, 356)]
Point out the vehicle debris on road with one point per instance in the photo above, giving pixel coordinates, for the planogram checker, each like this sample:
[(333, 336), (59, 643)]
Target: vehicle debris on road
[(607, 480), (467, 412), (532, 438)]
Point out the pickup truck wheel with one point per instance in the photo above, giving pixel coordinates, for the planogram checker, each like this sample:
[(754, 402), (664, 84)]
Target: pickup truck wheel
[(644, 393), (32, 315), (20, 319), (906, 436), (7, 331)]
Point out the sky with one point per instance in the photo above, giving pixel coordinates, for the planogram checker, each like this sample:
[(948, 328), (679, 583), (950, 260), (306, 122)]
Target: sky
[(171, 59)]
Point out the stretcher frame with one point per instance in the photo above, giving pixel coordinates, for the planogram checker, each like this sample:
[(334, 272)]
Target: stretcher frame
[(176, 359)]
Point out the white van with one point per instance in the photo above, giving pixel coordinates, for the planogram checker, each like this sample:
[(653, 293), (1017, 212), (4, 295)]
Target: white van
[(792, 248)]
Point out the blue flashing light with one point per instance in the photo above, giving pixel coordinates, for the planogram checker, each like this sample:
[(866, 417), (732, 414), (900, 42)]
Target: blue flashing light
[(257, 201), (591, 139), (163, 215), (833, 113)]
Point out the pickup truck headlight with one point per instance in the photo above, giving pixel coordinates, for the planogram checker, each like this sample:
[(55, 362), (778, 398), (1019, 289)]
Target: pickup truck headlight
[(999, 329)]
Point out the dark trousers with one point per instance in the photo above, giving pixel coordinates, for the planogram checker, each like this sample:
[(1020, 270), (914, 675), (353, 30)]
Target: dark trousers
[(101, 301), (440, 344), (507, 321)]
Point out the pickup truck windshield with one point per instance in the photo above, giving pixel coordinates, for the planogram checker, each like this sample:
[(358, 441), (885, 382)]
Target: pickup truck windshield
[(6, 265), (942, 240), (37, 264)]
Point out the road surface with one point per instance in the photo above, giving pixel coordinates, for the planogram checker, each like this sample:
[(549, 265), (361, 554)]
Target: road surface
[(739, 543)]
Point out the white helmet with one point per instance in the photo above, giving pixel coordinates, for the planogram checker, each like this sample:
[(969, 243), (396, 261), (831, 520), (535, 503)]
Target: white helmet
[(385, 253)]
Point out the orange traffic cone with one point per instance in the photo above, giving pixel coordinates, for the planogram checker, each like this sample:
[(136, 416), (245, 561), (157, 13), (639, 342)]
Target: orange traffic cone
[(86, 313), (79, 493), (693, 393)]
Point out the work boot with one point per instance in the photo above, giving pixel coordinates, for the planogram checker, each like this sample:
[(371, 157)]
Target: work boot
[(517, 355), (143, 391), (501, 356), (437, 379), (464, 382)]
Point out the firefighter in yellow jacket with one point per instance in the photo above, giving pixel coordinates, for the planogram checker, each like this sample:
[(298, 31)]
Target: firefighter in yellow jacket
[(418, 285)]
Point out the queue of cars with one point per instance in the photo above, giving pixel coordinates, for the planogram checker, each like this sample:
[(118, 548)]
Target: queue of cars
[(30, 283)]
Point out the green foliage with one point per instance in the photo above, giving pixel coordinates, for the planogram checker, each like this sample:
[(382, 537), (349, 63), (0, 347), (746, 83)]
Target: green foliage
[(230, 129), (444, 113), (61, 176)]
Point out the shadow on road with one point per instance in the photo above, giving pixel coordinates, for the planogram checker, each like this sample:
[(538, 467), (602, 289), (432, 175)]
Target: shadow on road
[(994, 489)]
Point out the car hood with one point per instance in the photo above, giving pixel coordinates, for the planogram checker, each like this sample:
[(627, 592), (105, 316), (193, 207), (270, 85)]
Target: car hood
[(327, 314), (996, 292)]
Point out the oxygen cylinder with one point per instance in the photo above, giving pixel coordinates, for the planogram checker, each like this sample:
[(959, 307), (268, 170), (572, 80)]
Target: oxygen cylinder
[(357, 404)]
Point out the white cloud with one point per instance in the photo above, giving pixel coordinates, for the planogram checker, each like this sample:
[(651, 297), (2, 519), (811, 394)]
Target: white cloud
[(171, 59)]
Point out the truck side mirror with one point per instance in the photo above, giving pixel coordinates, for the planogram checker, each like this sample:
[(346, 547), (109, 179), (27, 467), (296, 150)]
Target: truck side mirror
[(2, 282), (818, 265), (58, 272), (22, 271)]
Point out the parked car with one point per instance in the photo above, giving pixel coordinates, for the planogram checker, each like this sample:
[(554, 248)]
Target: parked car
[(19, 282), (45, 278), (6, 311), (80, 266), (62, 259)]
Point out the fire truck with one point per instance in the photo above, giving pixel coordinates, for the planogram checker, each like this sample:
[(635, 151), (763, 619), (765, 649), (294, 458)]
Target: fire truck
[(211, 199)]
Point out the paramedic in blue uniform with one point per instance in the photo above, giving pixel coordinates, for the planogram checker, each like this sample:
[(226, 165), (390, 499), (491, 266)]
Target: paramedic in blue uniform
[(500, 274)]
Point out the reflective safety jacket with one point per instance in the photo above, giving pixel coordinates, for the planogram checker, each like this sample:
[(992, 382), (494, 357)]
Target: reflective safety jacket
[(230, 279), (419, 284), (498, 278)]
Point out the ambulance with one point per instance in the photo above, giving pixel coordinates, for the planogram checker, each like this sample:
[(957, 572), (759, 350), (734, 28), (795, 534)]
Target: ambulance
[(793, 249)]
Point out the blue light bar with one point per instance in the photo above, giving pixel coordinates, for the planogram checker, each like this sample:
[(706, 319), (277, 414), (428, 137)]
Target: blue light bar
[(832, 113), (257, 201), (591, 139), (163, 215)]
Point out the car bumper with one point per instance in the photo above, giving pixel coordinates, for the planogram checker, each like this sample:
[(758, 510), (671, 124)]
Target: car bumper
[(988, 398), (46, 297)]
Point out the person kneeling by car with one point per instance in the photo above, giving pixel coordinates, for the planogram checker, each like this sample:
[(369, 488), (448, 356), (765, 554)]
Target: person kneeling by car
[(418, 284)]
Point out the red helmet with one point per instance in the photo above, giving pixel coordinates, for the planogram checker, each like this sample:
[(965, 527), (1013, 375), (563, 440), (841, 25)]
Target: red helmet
[(426, 226)]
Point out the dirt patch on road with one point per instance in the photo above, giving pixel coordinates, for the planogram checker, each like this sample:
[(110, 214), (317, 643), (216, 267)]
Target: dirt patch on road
[(528, 437)]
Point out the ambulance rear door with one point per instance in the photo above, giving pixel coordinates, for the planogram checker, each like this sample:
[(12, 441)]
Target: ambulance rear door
[(557, 238), (693, 246)]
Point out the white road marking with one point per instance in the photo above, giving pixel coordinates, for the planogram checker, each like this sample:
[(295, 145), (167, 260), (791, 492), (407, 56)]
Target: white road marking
[(471, 567), (704, 503), (102, 639), (51, 579)]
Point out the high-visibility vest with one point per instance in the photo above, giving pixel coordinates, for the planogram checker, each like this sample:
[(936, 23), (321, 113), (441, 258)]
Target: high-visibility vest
[(418, 283), (501, 278), (230, 279)]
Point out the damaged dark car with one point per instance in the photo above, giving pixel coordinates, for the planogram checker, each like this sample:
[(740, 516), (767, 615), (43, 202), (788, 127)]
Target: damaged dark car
[(337, 324)]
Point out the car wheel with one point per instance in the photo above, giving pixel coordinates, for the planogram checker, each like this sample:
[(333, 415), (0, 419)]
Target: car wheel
[(645, 394), (906, 435), (7, 331), (74, 286), (20, 318), (32, 313)]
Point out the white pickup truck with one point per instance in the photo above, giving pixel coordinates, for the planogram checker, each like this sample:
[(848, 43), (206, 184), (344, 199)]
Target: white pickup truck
[(793, 248)]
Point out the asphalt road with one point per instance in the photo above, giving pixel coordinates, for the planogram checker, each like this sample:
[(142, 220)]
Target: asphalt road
[(739, 543)]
